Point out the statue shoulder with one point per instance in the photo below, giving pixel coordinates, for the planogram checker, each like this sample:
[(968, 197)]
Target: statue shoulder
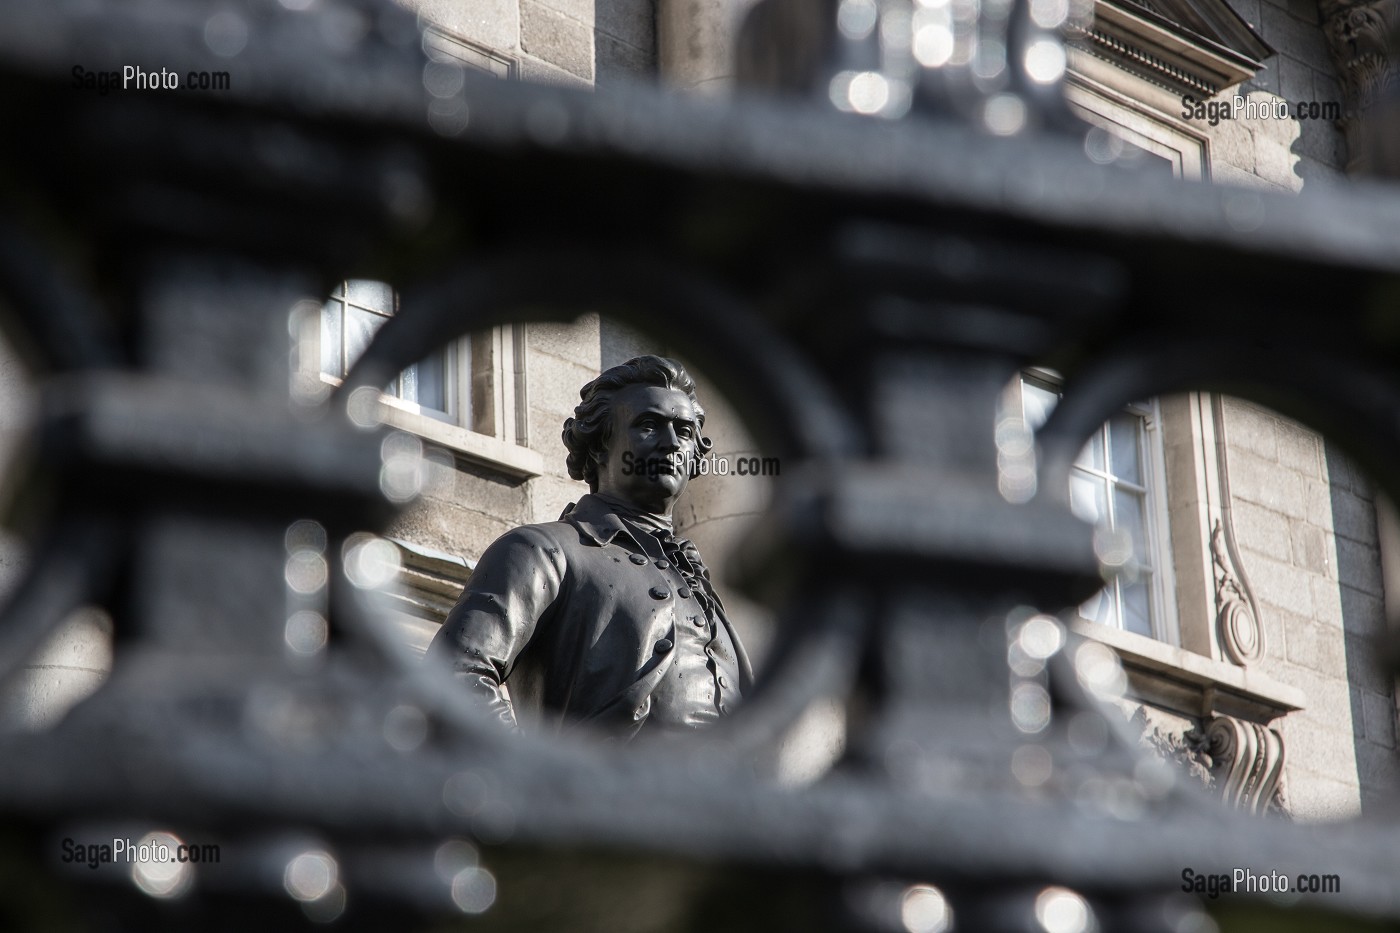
[(549, 542)]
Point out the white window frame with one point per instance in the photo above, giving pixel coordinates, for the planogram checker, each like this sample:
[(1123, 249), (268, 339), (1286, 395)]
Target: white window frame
[(1162, 593), (455, 412), (442, 46), (505, 448), (1148, 125), (1168, 621)]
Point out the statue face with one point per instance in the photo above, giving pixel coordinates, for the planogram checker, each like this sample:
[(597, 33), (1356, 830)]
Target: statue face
[(652, 427)]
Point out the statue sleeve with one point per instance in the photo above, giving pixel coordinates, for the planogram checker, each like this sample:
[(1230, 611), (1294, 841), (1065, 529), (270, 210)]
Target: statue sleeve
[(516, 581)]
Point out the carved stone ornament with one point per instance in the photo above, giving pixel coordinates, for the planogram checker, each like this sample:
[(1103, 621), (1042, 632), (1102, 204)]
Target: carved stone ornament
[(1181, 750), (1359, 35), (1246, 762), (1237, 614), (1196, 47), (1240, 761)]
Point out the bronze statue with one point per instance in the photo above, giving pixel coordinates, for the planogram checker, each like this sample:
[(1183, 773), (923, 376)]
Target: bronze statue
[(606, 618)]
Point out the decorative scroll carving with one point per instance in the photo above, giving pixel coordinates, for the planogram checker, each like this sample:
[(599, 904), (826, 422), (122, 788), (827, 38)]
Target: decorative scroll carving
[(1237, 615), (1246, 762), (1359, 35), (1238, 623), (1240, 761)]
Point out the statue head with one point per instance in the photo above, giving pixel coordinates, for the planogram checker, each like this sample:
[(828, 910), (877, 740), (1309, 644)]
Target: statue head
[(635, 432)]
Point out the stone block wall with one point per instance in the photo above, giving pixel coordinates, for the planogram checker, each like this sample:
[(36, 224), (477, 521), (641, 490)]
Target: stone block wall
[(1288, 154), (572, 42), (1305, 522)]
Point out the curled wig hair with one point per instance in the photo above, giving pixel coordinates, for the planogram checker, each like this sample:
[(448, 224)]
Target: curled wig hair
[(587, 433)]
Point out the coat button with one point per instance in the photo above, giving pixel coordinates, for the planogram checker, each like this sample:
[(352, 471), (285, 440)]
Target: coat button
[(683, 592), (637, 559), (664, 565), (659, 592), (664, 645)]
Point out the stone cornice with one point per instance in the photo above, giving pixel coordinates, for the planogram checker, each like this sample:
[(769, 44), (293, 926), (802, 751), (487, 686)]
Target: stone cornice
[(1161, 72), (1162, 46)]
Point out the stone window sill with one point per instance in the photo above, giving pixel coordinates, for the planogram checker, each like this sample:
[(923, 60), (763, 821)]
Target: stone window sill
[(512, 459), (1192, 684), (483, 449)]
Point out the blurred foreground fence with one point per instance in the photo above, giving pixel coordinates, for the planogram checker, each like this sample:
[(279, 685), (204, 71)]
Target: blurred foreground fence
[(860, 288)]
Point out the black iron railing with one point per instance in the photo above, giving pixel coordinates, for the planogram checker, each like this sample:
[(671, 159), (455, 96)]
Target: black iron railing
[(860, 289)]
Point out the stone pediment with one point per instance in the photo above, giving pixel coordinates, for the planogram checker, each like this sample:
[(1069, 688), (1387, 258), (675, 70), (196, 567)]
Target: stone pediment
[(1196, 47)]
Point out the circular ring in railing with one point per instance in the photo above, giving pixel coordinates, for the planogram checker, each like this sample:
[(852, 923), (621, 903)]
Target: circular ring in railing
[(779, 398)]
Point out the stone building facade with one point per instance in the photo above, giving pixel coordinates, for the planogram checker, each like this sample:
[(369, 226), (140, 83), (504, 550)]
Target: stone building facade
[(1249, 636)]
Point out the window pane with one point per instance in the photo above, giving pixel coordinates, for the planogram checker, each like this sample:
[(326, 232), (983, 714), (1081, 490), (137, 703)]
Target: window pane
[(1100, 608), (1135, 156), (1107, 490), (1137, 606), (1092, 455), (1036, 404), (331, 363), (359, 328), (1087, 498), (1129, 515), (349, 321), (378, 296), (426, 382), (1125, 432)]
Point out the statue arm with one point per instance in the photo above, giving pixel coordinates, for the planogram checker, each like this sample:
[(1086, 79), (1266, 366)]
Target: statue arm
[(516, 581)]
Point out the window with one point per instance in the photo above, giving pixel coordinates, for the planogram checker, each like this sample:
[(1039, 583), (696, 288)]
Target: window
[(1140, 128), (442, 46), (356, 310), (1116, 483), (1134, 135), (469, 396)]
